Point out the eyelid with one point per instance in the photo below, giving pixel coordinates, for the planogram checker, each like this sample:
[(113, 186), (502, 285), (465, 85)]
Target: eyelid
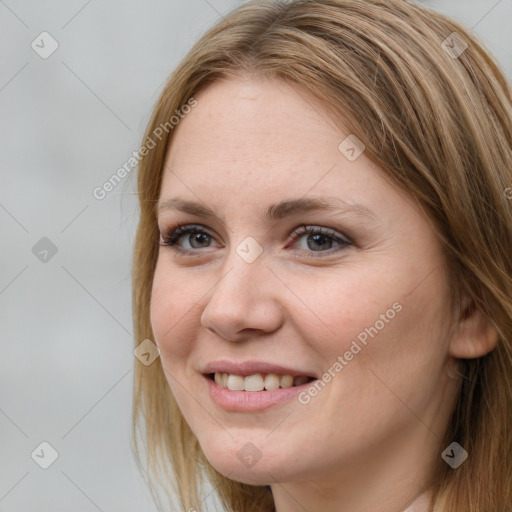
[(313, 229), (175, 232), (178, 230)]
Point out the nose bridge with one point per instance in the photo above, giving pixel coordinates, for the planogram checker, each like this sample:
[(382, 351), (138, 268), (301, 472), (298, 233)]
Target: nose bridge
[(242, 280), (242, 298), (244, 268)]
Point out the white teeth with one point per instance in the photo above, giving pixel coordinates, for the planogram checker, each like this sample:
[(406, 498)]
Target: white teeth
[(258, 381), (235, 383), (286, 381), (272, 381), (254, 383)]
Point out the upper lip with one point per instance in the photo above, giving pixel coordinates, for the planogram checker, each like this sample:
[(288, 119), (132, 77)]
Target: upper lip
[(245, 368)]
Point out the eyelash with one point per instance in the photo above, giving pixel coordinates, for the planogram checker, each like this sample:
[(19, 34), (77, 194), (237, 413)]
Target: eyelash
[(172, 235)]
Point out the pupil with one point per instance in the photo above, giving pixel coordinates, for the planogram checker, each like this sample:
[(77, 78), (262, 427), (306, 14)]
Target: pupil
[(198, 235), (316, 238)]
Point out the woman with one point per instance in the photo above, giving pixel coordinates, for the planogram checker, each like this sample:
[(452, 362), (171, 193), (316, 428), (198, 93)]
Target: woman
[(323, 261)]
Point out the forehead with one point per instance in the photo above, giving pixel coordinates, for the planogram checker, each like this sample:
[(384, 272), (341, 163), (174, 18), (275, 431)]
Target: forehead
[(248, 145), (264, 131)]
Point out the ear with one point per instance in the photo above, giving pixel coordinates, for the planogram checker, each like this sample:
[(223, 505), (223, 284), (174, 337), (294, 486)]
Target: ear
[(474, 336)]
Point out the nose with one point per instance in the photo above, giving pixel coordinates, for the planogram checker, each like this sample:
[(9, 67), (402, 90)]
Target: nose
[(244, 303)]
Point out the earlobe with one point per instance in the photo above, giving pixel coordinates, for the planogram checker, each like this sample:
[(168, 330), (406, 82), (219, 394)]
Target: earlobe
[(474, 335)]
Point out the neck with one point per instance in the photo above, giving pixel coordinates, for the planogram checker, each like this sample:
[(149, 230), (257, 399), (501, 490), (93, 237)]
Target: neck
[(395, 479)]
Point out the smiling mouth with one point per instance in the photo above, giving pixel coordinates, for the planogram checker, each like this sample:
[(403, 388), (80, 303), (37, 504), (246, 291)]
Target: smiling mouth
[(258, 381)]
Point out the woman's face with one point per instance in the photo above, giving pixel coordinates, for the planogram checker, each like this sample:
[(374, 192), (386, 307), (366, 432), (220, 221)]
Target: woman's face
[(358, 315)]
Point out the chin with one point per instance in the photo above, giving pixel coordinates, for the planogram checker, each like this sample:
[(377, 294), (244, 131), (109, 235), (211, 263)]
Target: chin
[(259, 474), (250, 466)]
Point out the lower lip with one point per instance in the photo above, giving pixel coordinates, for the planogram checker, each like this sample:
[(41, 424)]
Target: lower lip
[(251, 400)]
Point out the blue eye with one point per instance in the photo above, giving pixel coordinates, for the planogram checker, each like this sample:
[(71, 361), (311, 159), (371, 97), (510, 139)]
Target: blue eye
[(198, 238), (173, 235), (318, 237)]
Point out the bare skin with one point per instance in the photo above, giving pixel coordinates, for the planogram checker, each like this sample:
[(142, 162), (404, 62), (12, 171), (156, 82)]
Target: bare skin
[(368, 439)]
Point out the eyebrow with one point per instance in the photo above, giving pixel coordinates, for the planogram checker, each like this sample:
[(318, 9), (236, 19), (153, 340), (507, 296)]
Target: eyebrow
[(279, 210)]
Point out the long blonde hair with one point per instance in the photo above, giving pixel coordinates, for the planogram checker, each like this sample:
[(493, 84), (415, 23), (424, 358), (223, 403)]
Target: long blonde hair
[(436, 116)]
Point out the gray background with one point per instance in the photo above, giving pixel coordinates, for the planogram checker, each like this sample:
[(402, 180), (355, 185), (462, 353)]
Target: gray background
[(68, 123)]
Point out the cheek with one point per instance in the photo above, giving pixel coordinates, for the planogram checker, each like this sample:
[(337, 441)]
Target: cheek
[(378, 321), (173, 329), (171, 312), (346, 307), (392, 345)]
